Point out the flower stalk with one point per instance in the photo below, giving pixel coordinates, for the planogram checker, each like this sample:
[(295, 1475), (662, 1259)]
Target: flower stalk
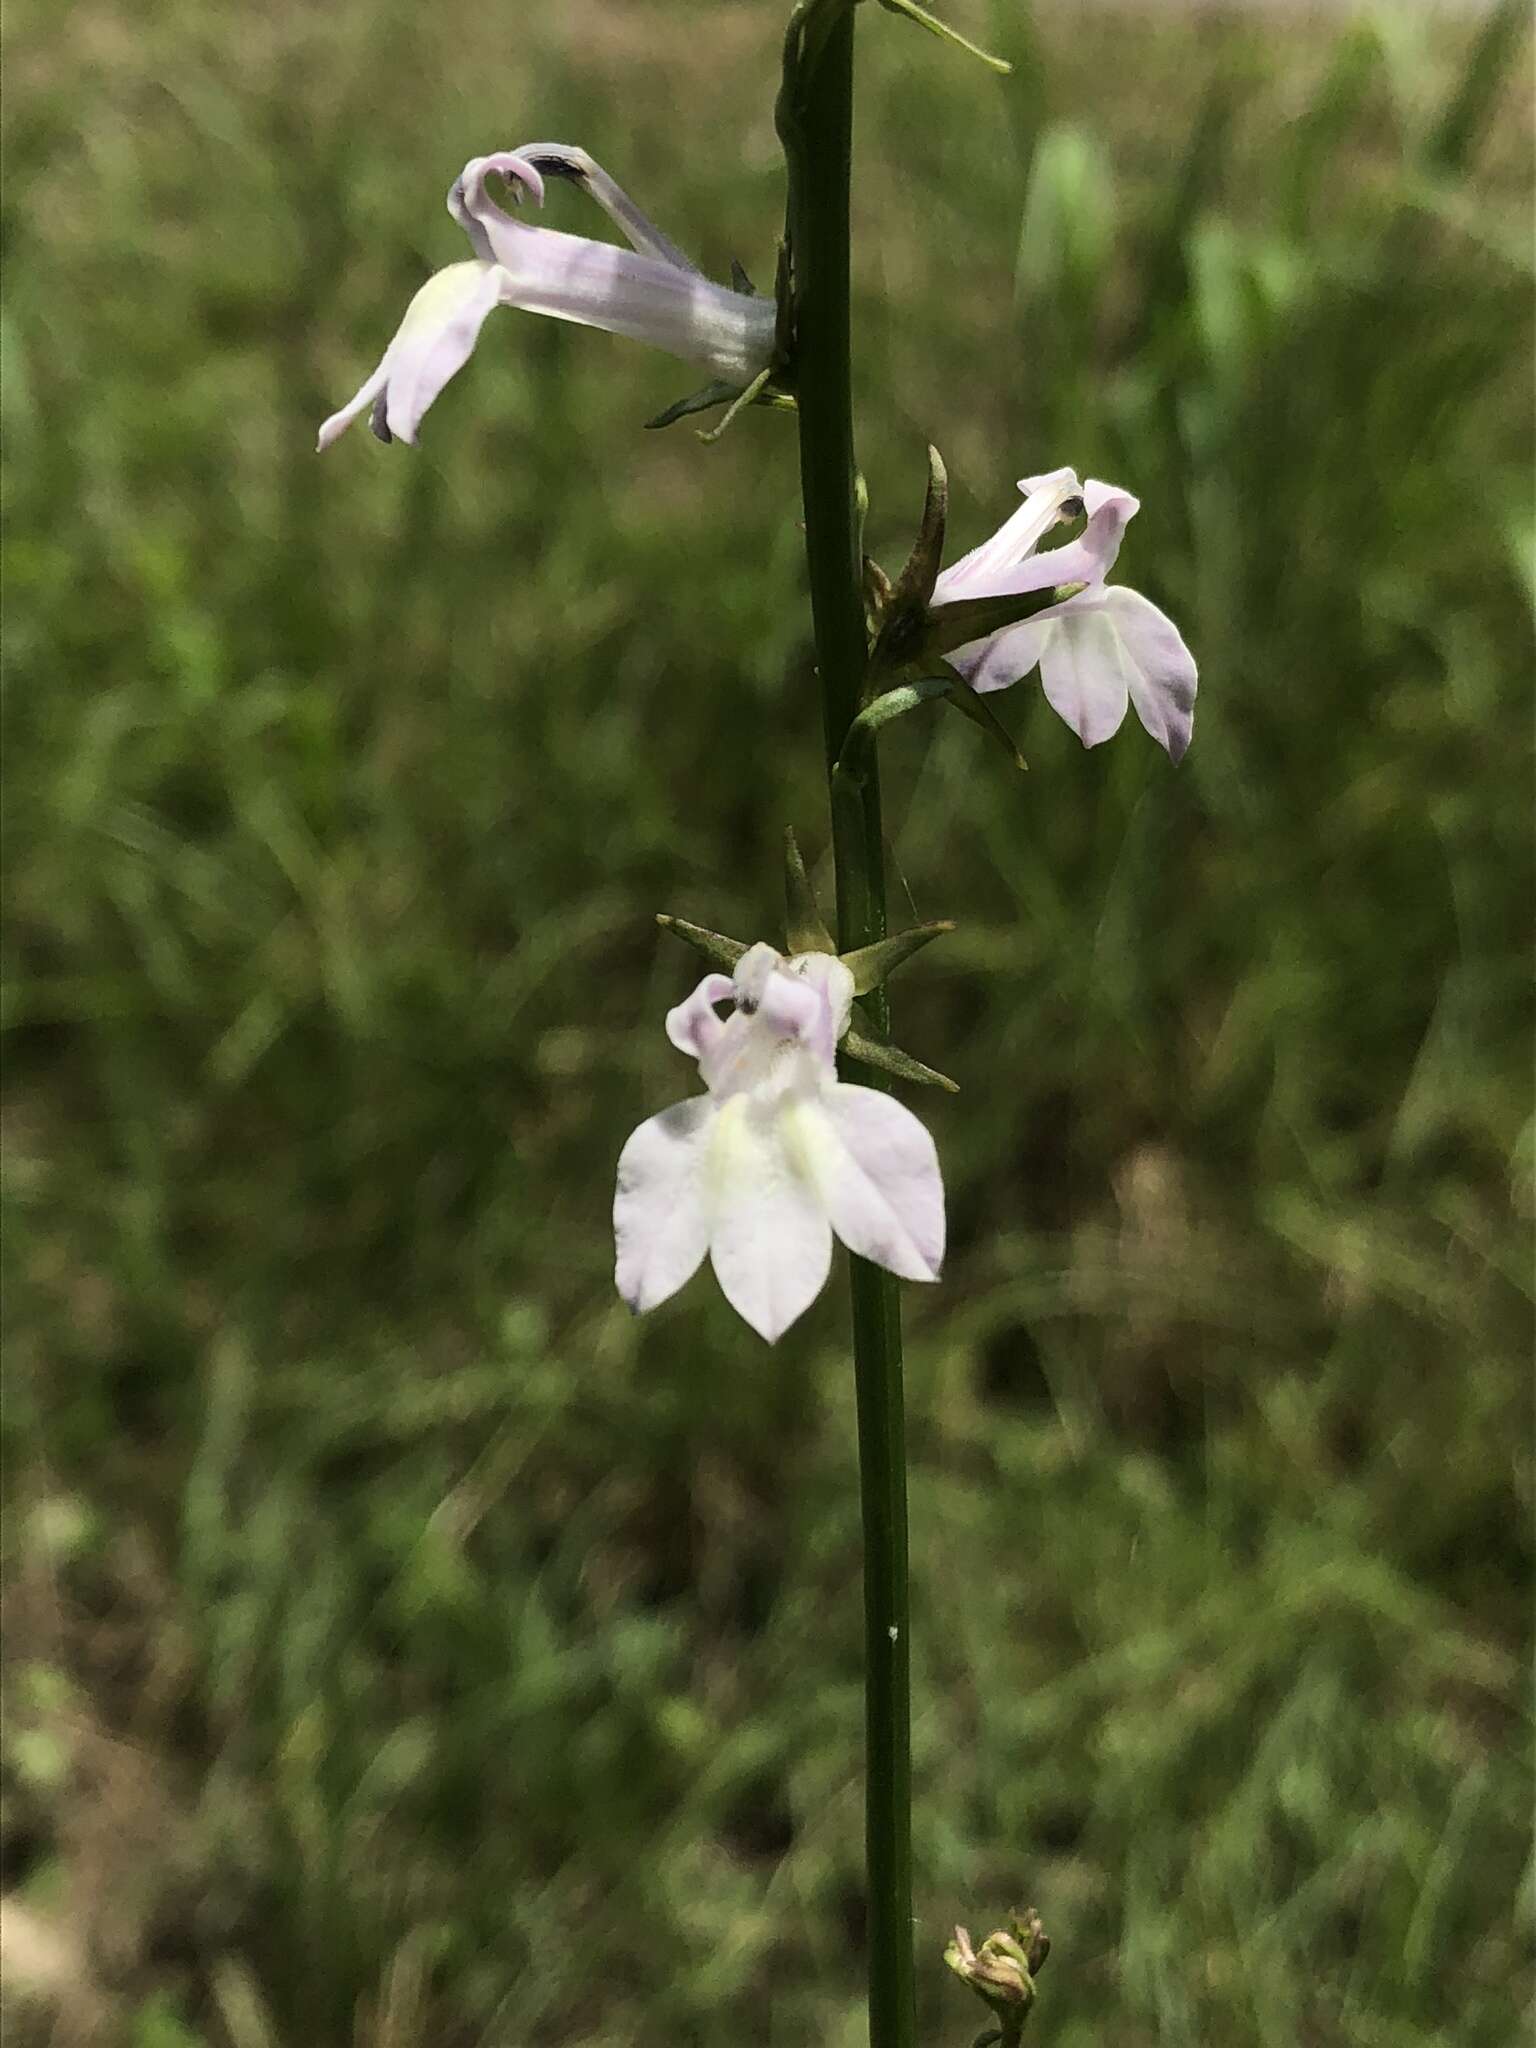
[(816, 126)]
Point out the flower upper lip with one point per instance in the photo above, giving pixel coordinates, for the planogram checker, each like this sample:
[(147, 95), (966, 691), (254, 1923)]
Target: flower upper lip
[(529, 165), (468, 199)]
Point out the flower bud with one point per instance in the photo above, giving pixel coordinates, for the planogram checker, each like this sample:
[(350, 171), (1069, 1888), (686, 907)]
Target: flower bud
[(1002, 1970)]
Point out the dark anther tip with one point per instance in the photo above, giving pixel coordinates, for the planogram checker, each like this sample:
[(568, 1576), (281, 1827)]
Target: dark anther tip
[(550, 165)]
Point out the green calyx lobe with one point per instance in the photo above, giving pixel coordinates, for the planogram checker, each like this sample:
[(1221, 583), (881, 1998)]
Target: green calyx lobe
[(871, 1051), (872, 966), (921, 570), (953, 625), (912, 636), (805, 931), (715, 947), (804, 928), (898, 611)]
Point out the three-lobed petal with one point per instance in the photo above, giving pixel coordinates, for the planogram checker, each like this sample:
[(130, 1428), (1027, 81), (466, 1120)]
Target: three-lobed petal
[(435, 339)]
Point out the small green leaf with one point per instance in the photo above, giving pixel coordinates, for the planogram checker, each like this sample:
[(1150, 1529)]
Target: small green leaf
[(804, 930), (717, 949), (946, 34), (872, 966), (886, 708)]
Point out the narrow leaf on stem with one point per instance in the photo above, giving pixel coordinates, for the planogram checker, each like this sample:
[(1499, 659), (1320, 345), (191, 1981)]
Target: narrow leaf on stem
[(913, 12)]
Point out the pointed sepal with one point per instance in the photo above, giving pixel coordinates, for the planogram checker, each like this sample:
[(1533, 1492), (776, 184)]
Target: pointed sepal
[(957, 624), (804, 928), (890, 1059), (972, 705), (921, 572), (901, 626), (716, 948), (872, 966)]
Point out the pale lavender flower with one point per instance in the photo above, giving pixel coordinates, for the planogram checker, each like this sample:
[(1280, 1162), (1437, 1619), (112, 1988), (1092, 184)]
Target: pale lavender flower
[(649, 292), (776, 1157), (1100, 649)]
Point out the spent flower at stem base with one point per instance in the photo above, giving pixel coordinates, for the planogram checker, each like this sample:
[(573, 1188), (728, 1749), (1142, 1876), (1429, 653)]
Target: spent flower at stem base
[(1002, 1972)]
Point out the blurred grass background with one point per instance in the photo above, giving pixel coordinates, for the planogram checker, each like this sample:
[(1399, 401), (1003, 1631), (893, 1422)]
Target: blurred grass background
[(404, 1645)]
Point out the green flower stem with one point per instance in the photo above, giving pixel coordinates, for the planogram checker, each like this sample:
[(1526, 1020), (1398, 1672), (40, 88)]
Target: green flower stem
[(816, 122)]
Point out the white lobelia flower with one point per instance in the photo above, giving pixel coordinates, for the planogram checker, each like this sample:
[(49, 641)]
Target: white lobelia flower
[(649, 292), (1101, 648), (778, 1155)]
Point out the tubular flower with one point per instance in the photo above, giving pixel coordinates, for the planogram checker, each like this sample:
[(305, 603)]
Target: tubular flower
[(650, 292), (776, 1157), (1103, 646)]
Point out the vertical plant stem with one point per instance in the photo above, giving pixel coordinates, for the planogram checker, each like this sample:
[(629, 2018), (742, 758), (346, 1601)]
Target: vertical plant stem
[(816, 115)]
